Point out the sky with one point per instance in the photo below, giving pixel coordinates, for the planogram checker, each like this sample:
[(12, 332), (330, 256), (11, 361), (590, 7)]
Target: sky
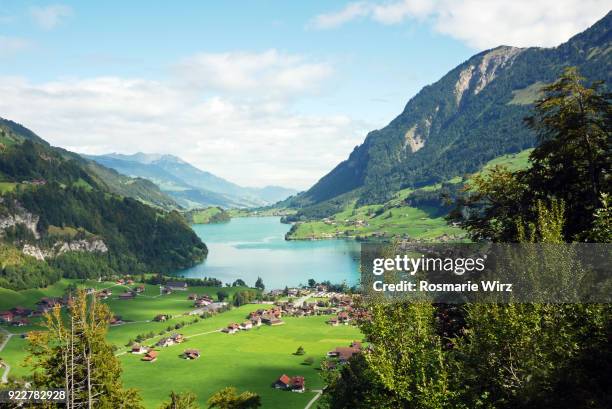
[(257, 92)]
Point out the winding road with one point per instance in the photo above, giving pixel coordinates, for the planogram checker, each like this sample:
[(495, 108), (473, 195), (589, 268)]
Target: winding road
[(5, 365)]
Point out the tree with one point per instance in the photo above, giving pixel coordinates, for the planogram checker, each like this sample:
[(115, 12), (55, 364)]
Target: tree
[(259, 284), (180, 401), (73, 354), (356, 386), (573, 123), (312, 283), (227, 398), (222, 295), (309, 360), (572, 163), (300, 351), (407, 356), (239, 283)]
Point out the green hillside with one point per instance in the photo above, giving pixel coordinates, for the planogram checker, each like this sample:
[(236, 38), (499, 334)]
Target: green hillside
[(53, 203), (12, 133), (411, 213), (208, 215), (453, 127)]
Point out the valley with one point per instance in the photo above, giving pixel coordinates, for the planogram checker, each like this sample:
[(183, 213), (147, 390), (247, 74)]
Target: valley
[(249, 360)]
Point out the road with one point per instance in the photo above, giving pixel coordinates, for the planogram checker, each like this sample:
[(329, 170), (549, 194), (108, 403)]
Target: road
[(314, 399), (7, 367), (300, 301)]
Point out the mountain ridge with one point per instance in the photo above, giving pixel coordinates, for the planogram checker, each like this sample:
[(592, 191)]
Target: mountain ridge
[(471, 115), (189, 185)]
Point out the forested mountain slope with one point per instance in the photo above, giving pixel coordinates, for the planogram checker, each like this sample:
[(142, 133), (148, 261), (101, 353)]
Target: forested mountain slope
[(137, 188), (65, 218), (454, 126)]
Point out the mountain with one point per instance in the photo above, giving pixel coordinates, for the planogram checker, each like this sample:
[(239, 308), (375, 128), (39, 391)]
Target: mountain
[(137, 188), (65, 215), (454, 126), (188, 185)]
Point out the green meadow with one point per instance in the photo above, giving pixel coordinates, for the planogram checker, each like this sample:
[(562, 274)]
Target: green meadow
[(249, 360), (394, 218)]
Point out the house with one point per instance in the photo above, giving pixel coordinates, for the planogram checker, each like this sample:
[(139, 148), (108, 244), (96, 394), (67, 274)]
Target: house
[(150, 356), (20, 312), (247, 325), (128, 295), (216, 306), (298, 384), (160, 318), (20, 323), (345, 353), (191, 354), (333, 322), (271, 320), (177, 285), (177, 338), (294, 384), (116, 319), (165, 342), (283, 382), (343, 317), (231, 329), (256, 321), (192, 297), (6, 316), (202, 302), (139, 349), (139, 289)]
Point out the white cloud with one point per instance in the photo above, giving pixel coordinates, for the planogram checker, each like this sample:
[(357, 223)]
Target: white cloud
[(351, 12), (269, 74), (249, 135), (482, 23), (10, 45), (49, 17)]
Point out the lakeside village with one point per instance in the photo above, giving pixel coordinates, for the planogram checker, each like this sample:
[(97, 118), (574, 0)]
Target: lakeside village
[(269, 310)]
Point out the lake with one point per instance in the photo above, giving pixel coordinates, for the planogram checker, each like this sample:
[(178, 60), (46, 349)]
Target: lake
[(251, 247)]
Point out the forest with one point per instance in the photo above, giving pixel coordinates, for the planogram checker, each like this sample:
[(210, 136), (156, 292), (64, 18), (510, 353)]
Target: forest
[(513, 355)]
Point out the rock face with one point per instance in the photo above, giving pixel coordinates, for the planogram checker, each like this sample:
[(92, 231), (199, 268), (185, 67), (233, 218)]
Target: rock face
[(90, 246), (61, 247), (21, 216)]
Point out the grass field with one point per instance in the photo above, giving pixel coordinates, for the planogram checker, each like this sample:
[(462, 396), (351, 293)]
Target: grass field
[(7, 187), (249, 360), (204, 216), (397, 220)]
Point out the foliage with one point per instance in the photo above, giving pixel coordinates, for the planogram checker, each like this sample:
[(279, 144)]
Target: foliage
[(19, 272), (228, 398), (259, 284), (180, 401), (73, 354), (407, 355), (572, 164), (356, 386), (244, 297)]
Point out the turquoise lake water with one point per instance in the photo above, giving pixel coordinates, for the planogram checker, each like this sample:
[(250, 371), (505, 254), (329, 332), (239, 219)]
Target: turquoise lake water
[(251, 247)]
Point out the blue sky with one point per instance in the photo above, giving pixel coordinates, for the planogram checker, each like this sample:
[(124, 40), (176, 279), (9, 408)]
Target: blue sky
[(259, 92)]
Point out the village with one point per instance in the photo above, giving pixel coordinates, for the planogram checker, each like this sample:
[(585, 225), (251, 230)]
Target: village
[(181, 317)]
